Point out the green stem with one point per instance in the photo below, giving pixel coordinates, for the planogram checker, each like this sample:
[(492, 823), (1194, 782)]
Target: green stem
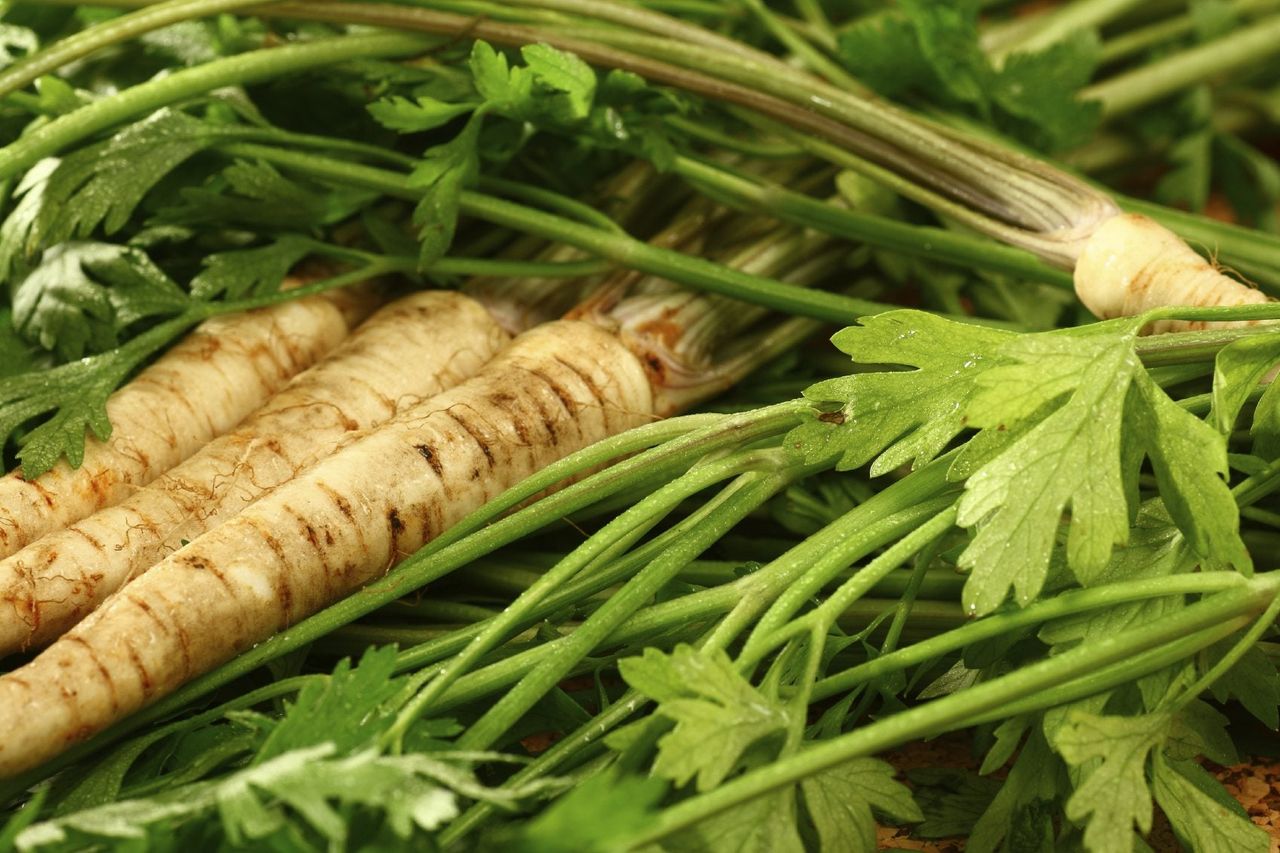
[(1220, 614), (26, 71), (1058, 607), (824, 616), (619, 534), (1243, 48), (749, 490), (936, 244), (1065, 20), (255, 66), (622, 249)]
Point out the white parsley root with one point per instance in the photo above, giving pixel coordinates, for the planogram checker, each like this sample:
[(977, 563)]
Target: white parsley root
[(410, 350), (197, 391), (1133, 264), (318, 537)]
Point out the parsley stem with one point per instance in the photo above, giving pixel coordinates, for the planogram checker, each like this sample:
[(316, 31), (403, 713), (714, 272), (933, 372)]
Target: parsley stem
[(29, 69), (254, 66), (623, 249), (935, 244), (747, 492), (1210, 619), (1156, 80), (1066, 604), (616, 536)]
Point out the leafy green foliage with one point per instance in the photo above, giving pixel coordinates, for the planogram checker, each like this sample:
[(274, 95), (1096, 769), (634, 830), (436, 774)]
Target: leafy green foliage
[(245, 273), (932, 53), (347, 710), (719, 716), (309, 790), (574, 824), (72, 398), (840, 803), (1112, 753), (83, 295), (1238, 370), (896, 418), (100, 185), (1202, 822), (1065, 419)]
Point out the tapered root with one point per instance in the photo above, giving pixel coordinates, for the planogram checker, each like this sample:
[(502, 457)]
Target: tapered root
[(323, 534), (1133, 264), (200, 389), (409, 351)]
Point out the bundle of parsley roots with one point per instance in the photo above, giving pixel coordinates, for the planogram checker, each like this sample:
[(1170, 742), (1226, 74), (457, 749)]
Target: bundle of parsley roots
[(602, 425)]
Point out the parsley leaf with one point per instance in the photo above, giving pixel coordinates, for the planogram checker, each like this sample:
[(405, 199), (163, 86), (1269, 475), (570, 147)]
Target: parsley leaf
[(564, 73), (764, 825), (899, 417), (423, 113), (1238, 370), (249, 272), (1111, 755), (442, 175), (931, 52), (99, 185), (82, 295), (718, 714), (573, 822), (1190, 462), (840, 802), (1071, 457), (300, 789), (74, 396), (1200, 821), (347, 710)]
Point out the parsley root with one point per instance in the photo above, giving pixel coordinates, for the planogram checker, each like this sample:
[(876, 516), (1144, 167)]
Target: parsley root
[(344, 521), (59, 579), (201, 388), (1132, 264)]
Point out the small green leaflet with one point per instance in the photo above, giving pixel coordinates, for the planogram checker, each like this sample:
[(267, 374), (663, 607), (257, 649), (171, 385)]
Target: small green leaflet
[(83, 295), (932, 52), (16, 43), (1113, 798), (574, 824), (840, 803), (303, 786), (899, 417), (1238, 371), (1201, 822), (563, 73), (718, 714), (347, 710), (249, 272), (442, 175), (1190, 462), (100, 185), (1033, 780), (764, 825), (1253, 682), (422, 113)]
